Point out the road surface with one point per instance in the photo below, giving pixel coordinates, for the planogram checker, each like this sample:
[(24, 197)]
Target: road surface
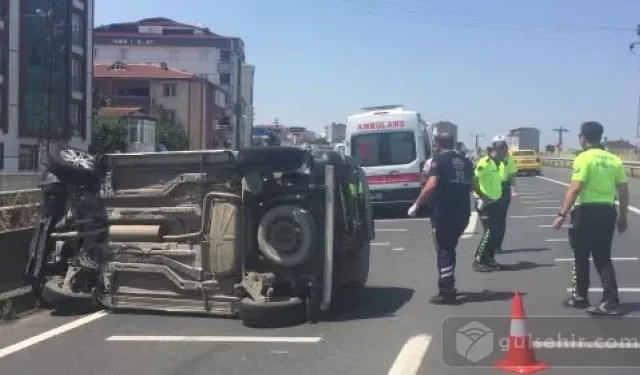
[(393, 329)]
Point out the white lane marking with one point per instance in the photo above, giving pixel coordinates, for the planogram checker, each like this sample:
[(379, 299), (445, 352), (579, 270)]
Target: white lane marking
[(544, 208), (619, 259), (633, 209), (390, 230), (401, 220), (621, 290), (528, 216), (579, 344), (398, 249), (551, 226), (542, 201), (301, 340), (471, 227), (556, 240), (380, 243), (410, 357), (50, 334)]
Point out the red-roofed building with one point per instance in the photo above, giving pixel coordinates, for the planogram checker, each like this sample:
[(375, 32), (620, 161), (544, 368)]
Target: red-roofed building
[(193, 48), (156, 88)]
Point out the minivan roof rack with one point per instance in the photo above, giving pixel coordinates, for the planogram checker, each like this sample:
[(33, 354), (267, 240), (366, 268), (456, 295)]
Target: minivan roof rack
[(383, 107)]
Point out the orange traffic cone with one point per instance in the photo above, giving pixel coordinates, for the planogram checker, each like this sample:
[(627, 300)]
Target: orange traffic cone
[(520, 357)]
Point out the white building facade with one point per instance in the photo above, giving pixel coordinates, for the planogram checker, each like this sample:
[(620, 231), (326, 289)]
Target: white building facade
[(191, 48), (248, 73)]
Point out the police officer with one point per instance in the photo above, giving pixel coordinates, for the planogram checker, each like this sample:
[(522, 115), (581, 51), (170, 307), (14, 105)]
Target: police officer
[(597, 177), (508, 177), (488, 190), (450, 182)]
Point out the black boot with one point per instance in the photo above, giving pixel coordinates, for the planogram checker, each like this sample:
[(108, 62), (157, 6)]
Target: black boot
[(444, 298)]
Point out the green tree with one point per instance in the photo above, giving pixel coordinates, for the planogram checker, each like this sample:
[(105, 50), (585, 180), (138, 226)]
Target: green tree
[(109, 135), (550, 148), (170, 133)]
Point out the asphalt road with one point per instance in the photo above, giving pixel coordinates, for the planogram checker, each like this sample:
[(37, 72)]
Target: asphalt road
[(392, 328)]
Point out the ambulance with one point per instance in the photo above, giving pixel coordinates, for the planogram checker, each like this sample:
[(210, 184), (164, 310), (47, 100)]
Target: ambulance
[(391, 144)]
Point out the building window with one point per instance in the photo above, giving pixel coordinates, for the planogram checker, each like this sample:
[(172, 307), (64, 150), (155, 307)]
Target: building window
[(174, 55), (124, 54), (136, 132), (77, 30), (76, 75), (203, 56), (225, 78), (28, 159), (169, 89), (75, 120), (225, 56)]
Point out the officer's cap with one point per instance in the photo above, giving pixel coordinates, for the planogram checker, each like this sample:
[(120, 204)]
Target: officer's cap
[(499, 141)]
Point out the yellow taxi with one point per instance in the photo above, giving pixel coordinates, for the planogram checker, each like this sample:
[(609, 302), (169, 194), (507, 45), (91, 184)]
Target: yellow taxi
[(527, 161)]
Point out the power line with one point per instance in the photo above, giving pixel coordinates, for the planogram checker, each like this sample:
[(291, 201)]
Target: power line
[(464, 20)]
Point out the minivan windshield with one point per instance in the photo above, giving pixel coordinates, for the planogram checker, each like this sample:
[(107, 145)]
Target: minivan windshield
[(524, 153), (389, 148)]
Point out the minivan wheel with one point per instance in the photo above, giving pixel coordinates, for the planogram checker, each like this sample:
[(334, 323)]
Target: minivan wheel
[(56, 296), (279, 312)]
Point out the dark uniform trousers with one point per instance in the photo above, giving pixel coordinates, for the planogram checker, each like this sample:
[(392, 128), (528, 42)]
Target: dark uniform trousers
[(591, 235), (446, 233), (505, 202), (491, 219)]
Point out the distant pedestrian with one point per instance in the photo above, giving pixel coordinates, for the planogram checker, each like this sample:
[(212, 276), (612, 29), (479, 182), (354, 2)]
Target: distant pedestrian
[(598, 177), (488, 190), (448, 189)]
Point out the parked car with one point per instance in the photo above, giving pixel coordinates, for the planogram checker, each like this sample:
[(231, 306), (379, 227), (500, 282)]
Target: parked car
[(269, 234)]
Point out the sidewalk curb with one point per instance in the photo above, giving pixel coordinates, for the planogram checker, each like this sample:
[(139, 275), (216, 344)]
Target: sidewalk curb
[(17, 302)]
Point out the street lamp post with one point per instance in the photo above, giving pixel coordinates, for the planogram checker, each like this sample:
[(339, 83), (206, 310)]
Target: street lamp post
[(46, 133)]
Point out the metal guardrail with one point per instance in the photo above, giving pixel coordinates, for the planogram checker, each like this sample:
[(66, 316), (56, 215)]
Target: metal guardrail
[(632, 167)]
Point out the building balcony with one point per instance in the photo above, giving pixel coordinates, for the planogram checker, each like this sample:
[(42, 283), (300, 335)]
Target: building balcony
[(143, 102)]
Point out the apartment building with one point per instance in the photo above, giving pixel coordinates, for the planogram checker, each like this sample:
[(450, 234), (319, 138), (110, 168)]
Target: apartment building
[(195, 49), (45, 79), (248, 72), (189, 100)]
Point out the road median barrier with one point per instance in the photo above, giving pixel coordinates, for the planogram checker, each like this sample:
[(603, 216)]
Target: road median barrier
[(632, 167), (15, 296)]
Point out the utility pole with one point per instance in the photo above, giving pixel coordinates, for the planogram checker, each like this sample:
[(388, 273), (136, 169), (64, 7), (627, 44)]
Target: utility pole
[(632, 47), (560, 132), (477, 139)]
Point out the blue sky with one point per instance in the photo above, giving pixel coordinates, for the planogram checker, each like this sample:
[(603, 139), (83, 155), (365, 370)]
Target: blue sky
[(486, 65)]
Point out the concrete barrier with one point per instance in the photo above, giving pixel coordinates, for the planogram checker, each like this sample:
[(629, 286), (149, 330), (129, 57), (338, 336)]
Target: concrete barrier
[(14, 254), (632, 167), (19, 181)]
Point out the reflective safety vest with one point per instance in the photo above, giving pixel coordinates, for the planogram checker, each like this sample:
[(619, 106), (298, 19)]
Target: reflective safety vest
[(356, 188)]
